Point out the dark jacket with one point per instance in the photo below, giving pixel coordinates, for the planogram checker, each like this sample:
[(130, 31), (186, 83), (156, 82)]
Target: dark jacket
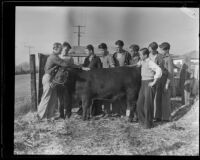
[(127, 58), (94, 63), (54, 60), (160, 62)]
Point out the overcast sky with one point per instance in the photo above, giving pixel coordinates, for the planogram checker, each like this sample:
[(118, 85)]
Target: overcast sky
[(40, 27)]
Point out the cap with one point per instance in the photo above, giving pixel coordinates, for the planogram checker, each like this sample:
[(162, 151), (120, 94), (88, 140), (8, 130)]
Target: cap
[(66, 44), (165, 45), (102, 46)]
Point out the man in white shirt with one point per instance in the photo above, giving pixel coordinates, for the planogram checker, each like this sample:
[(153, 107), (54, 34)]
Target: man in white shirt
[(150, 73)]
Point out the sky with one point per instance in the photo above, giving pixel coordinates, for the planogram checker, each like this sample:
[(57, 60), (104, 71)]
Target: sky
[(40, 27)]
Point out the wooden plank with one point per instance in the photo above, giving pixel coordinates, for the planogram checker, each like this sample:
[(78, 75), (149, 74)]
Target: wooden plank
[(33, 83)]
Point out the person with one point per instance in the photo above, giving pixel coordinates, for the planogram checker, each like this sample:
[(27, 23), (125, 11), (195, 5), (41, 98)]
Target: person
[(92, 61), (121, 58), (187, 86), (150, 73), (107, 62), (46, 108), (158, 59), (134, 51), (183, 76), (168, 64), (61, 91)]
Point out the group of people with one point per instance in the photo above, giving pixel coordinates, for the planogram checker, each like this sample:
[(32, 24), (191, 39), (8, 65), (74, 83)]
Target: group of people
[(156, 71)]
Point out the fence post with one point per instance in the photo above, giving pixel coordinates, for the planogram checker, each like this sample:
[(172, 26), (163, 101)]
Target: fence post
[(42, 61), (33, 83)]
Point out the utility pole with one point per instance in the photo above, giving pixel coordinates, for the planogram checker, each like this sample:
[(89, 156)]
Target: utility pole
[(29, 48), (79, 33)]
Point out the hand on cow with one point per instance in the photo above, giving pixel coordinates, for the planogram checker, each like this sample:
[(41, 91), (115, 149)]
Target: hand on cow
[(85, 68)]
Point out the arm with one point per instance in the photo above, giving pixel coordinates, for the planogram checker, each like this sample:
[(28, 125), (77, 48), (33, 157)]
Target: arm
[(99, 64), (170, 71), (60, 62), (157, 70), (111, 61)]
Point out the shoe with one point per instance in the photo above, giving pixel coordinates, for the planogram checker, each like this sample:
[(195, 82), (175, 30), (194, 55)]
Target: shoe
[(57, 118), (157, 120)]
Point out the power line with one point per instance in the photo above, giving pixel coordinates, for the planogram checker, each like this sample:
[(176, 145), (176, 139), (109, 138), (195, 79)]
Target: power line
[(79, 33)]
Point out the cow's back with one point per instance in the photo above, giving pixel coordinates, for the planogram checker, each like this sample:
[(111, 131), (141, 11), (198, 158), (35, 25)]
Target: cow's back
[(107, 82)]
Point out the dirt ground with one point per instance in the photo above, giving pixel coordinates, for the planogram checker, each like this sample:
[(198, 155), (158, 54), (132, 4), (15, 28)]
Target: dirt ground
[(109, 136)]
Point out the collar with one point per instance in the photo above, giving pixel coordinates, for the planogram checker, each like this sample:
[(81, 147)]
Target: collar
[(147, 60), (166, 55)]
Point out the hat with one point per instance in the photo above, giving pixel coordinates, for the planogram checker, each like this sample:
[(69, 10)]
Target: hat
[(66, 44), (135, 47), (119, 42), (102, 46), (153, 46), (165, 45)]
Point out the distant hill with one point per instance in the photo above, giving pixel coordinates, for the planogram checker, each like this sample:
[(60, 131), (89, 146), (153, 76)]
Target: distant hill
[(23, 68), (192, 55)]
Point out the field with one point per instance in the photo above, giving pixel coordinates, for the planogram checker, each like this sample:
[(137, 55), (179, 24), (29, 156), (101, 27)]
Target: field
[(103, 136)]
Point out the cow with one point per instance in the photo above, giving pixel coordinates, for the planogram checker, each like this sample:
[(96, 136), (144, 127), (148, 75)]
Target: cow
[(104, 83)]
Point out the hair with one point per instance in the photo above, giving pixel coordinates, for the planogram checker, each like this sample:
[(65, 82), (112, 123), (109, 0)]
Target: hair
[(153, 45), (145, 51), (90, 47), (135, 47), (66, 44), (119, 42), (102, 46), (56, 45)]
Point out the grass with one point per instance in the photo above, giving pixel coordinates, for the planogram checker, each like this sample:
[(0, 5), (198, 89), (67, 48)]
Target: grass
[(108, 136)]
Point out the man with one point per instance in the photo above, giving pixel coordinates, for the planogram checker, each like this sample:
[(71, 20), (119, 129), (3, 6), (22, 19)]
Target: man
[(183, 77), (121, 58), (49, 100), (61, 91), (92, 61), (150, 73), (168, 64), (134, 51), (158, 59), (107, 62)]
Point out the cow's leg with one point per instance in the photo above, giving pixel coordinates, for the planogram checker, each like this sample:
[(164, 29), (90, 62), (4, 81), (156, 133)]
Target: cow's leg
[(86, 102), (131, 103)]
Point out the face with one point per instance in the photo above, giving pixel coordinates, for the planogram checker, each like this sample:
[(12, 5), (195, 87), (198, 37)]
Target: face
[(162, 51), (65, 50), (150, 49), (142, 57), (88, 52), (102, 51), (58, 49), (132, 51), (118, 48)]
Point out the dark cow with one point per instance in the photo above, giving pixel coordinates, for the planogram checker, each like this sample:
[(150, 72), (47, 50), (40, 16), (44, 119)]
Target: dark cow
[(104, 83)]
